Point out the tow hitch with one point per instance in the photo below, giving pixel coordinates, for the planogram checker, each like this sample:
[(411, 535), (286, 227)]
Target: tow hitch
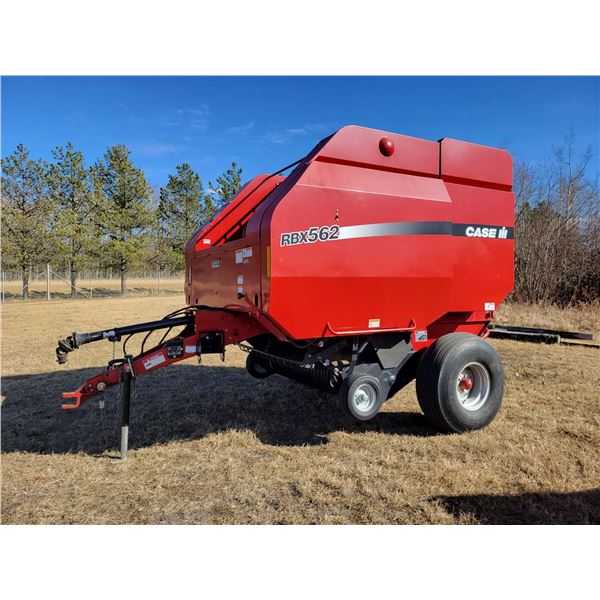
[(204, 331)]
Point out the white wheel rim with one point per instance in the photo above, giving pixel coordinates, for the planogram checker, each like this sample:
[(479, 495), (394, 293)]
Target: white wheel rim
[(364, 398), (473, 386)]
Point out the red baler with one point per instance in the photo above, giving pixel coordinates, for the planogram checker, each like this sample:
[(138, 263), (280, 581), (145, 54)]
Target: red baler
[(378, 259)]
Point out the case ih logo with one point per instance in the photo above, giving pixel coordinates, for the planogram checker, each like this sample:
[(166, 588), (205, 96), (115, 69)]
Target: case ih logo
[(486, 232), (311, 235)]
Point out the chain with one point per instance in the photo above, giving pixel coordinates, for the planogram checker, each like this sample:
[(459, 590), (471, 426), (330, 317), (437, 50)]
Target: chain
[(102, 421)]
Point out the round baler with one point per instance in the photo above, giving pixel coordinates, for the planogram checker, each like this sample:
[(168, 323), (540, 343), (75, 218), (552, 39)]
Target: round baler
[(378, 259)]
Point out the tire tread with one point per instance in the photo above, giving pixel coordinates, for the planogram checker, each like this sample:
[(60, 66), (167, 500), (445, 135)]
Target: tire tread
[(428, 378)]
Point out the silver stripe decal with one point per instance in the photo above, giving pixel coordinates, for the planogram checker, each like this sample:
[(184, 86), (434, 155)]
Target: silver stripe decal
[(485, 231), (405, 228)]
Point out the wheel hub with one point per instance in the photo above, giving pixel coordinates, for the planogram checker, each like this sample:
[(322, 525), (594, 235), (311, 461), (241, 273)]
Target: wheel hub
[(473, 386), (465, 383), (364, 398)]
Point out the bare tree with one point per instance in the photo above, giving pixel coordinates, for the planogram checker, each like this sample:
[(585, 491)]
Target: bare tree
[(556, 212)]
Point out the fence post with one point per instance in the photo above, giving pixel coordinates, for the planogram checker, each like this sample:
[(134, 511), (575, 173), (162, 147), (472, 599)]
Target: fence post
[(2, 280), (91, 287), (158, 281), (48, 281)]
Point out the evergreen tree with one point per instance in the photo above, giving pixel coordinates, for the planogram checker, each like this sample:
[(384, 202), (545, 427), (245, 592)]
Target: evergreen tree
[(26, 210), (161, 251), (125, 211), (77, 235), (227, 186), (183, 206)]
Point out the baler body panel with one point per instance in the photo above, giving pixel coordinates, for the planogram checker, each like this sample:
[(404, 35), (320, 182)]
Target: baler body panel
[(373, 248), (356, 242), (222, 258), (343, 285)]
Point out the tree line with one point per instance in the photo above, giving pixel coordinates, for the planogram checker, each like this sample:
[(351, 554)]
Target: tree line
[(557, 228), (102, 216), (107, 216)]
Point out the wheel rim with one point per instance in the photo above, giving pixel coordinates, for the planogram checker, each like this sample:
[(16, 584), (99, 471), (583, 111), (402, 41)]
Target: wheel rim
[(364, 398), (473, 386)]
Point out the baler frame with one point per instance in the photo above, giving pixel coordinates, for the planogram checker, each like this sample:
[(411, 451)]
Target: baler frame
[(201, 326), (421, 255), (390, 358)]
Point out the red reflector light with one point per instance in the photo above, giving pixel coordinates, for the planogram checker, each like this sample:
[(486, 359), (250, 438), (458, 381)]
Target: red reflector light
[(386, 146)]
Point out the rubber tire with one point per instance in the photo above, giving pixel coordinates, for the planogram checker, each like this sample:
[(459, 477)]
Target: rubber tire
[(347, 391), (257, 368), (437, 373)]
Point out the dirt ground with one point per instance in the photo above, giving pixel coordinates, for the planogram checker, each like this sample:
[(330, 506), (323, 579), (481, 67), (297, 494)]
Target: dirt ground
[(213, 445)]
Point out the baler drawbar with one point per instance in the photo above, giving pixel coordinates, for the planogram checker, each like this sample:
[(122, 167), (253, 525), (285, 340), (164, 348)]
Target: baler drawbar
[(204, 331), (379, 259)]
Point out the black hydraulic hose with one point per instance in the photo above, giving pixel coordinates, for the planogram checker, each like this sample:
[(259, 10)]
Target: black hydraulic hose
[(146, 339), (76, 340), (162, 339), (286, 168), (125, 343), (115, 334)]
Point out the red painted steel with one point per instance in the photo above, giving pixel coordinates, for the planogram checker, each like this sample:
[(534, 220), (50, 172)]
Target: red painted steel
[(235, 328), (474, 164), (372, 232), (380, 282)]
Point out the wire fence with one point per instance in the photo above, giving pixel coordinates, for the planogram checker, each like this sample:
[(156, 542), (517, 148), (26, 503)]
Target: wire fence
[(45, 283)]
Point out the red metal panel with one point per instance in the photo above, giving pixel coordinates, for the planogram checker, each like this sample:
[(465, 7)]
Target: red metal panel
[(360, 146), (219, 275), (212, 273), (484, 266), (249, 197), (471, 163), (409, 251), (344, 284)]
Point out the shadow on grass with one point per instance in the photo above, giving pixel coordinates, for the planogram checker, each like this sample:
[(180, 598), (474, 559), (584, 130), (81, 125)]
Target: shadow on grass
[(181, 402), (572, 508)]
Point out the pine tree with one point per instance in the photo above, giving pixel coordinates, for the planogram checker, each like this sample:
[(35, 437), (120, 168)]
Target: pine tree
[(26, 210), (71, 189), (182, 208), (227, 186), (125, 211)]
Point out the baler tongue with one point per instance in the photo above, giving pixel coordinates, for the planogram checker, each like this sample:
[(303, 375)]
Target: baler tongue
[(77, 394), (205, 331)]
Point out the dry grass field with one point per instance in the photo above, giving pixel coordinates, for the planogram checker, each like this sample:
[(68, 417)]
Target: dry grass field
[(212, 445), (584, 318)]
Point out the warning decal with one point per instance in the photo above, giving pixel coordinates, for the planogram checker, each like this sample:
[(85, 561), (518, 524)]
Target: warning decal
[(154, 360)]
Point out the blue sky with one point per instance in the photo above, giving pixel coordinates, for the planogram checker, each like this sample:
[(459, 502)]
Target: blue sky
[(267, 122)]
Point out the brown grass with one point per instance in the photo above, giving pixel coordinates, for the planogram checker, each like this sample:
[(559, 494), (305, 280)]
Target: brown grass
[(585, 318), (212, 445), (101, 288)]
